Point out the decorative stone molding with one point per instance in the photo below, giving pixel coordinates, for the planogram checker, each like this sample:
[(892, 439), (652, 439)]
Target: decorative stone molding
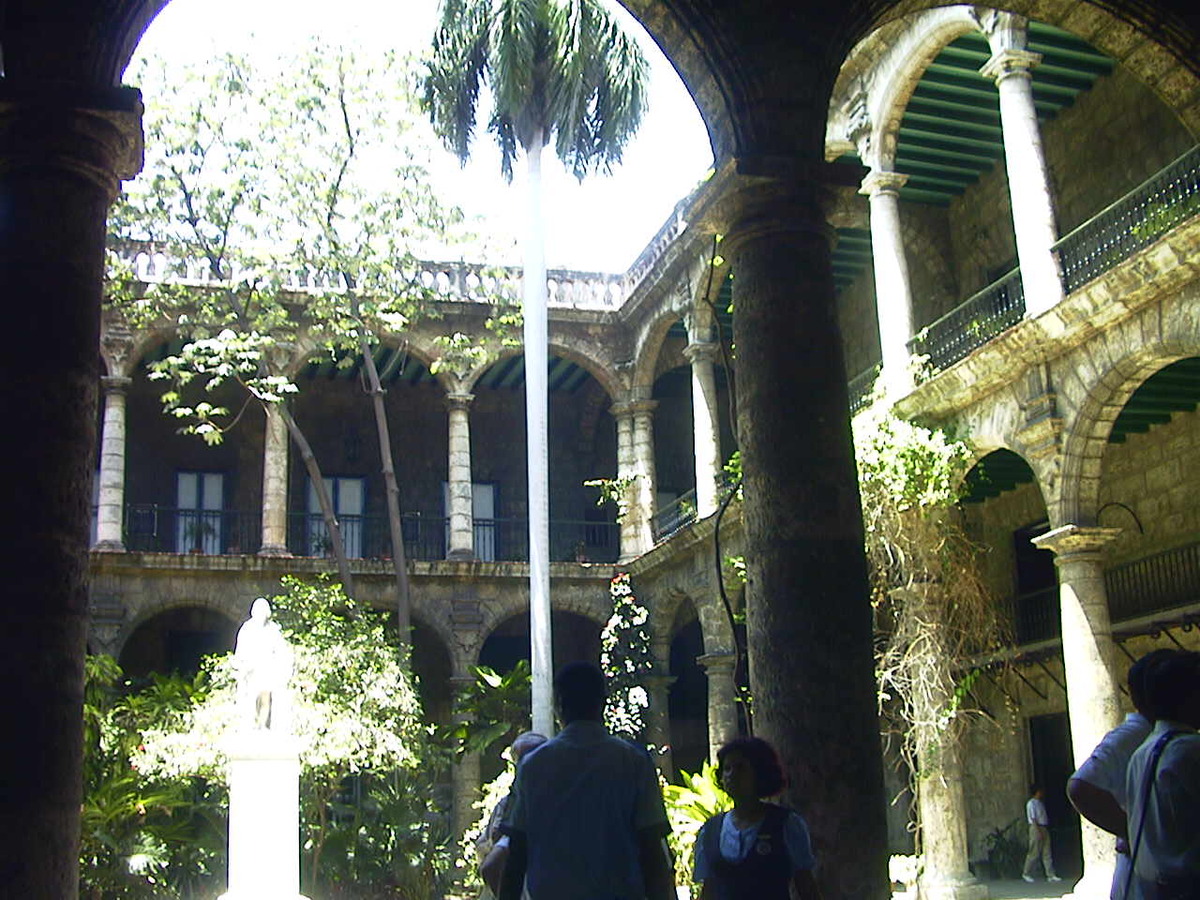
[(1071, 543), (702, 351), (881, 182), (95, 134), (1007, 63), (1041, 434)]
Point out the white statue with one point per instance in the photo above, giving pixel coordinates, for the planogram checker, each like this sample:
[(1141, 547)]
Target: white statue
[(262, 659)]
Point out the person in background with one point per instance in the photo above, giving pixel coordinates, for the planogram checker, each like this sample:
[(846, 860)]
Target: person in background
[(492, 846), (1039, 835), (757, 850), (1097, 789), (586, 820), (1162, 785)]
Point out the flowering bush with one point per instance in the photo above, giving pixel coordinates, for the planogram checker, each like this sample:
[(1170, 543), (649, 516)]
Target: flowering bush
[(626, 659)]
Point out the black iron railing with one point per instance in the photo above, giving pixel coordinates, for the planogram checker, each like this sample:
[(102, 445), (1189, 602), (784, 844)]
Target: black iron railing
[(1132, 223), (149, 527), (162, 529), (860, 388), (970, 325), (1036, 616), (1155, 583), (507, 540), (677, 514)]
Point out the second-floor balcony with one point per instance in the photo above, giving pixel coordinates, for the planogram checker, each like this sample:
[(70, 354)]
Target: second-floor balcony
[(163, 529), (1130, 225)]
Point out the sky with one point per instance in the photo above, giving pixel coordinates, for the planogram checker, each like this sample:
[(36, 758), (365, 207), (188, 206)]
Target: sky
[(600, 225)]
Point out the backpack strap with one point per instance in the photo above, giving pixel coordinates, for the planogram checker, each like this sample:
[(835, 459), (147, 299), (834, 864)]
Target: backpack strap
[(1147, 786)]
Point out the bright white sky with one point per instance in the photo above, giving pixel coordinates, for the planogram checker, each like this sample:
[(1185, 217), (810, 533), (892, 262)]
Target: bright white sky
[(601, 225)]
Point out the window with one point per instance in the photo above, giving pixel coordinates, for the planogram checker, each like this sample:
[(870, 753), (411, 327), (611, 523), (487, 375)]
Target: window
[(348, 500), (199, 501)]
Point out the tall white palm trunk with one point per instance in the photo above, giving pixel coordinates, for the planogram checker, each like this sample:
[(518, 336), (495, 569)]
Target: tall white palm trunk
[(536, 404)]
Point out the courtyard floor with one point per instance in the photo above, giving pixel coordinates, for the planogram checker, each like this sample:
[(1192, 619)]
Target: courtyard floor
[(1015, 890)]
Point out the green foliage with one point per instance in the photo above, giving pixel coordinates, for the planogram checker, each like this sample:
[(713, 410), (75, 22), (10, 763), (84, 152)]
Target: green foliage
[(614, 490), (562, 70), (349, 211), (627, 659), (1005, 850), (141, 836), (689, 806), (356, 716), (493, 711)]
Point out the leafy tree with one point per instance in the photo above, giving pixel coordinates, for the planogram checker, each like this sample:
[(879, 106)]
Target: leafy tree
[(304, 193), (626, 658), (559, 70), (356, 716), (689, 805)]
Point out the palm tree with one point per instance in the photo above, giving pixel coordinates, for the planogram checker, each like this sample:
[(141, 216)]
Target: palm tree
[(556, 69)]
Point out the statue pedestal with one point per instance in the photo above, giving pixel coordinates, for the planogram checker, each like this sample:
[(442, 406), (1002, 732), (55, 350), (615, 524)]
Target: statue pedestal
[(264, 816)]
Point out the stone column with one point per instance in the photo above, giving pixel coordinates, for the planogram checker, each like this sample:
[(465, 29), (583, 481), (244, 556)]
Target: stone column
[(461, 512), (809, 623), (465, 774), (705, 427), (1089, 663), (110, 506), (643, 466), (275, 486), (658, 720), (63, 150), (636, 536), (893, 293), (722, 699), (1028, 180)]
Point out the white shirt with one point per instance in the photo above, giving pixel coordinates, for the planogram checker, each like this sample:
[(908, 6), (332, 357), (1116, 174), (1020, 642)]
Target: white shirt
[(1171, 821), (1035, 813), (1105, 768)]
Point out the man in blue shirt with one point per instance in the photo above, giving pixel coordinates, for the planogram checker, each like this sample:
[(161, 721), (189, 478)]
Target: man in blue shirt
[(585, 817)]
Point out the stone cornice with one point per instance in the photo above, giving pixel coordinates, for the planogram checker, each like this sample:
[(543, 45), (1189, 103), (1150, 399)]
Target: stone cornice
[(1071, 542)]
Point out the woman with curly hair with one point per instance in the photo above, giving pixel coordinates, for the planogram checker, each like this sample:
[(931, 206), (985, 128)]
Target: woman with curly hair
[(757, 850)]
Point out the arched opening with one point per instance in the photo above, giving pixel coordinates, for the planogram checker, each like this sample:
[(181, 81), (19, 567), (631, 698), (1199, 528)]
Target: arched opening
[(1149, 488), (687, 699), (582, 447), (174, 642)]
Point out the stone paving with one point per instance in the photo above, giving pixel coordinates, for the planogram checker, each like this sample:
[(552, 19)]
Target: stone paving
[(1015, 889)]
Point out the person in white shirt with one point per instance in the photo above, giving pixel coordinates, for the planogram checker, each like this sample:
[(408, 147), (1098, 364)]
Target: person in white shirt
[(1097, 789), (1162, 785), (1039, 836)]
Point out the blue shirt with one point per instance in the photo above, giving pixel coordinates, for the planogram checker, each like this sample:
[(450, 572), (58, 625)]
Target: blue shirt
[(736, 843), (580, 800)]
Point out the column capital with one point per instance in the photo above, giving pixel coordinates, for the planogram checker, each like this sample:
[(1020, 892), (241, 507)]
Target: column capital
[(760, 195), (631, 408), (1076, 542), (701, 351), (96, 134), (717, 663), (880, 183), (459, 400), (1008, 62), (115, 384)]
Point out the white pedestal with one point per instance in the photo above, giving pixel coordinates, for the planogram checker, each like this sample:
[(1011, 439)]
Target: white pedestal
[(264, 816)]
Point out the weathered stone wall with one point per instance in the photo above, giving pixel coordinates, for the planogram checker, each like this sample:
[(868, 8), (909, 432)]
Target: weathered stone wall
[(995, 768), (1156, 475), (1112, 139), (859, 324), (981, 232), (928, 250), (992, 524)]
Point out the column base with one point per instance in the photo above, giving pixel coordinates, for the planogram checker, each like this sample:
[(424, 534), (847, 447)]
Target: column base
[(966, 889), (276, 550), (256, 895), (109, 547), (460, 554)]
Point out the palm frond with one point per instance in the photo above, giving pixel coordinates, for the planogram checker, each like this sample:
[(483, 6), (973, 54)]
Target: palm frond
[(457, 68)]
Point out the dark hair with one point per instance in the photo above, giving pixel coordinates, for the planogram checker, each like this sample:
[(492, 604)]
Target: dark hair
[(769, 779), (580, 690), (1171, 682), (1034, 787), (1137, 678)]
